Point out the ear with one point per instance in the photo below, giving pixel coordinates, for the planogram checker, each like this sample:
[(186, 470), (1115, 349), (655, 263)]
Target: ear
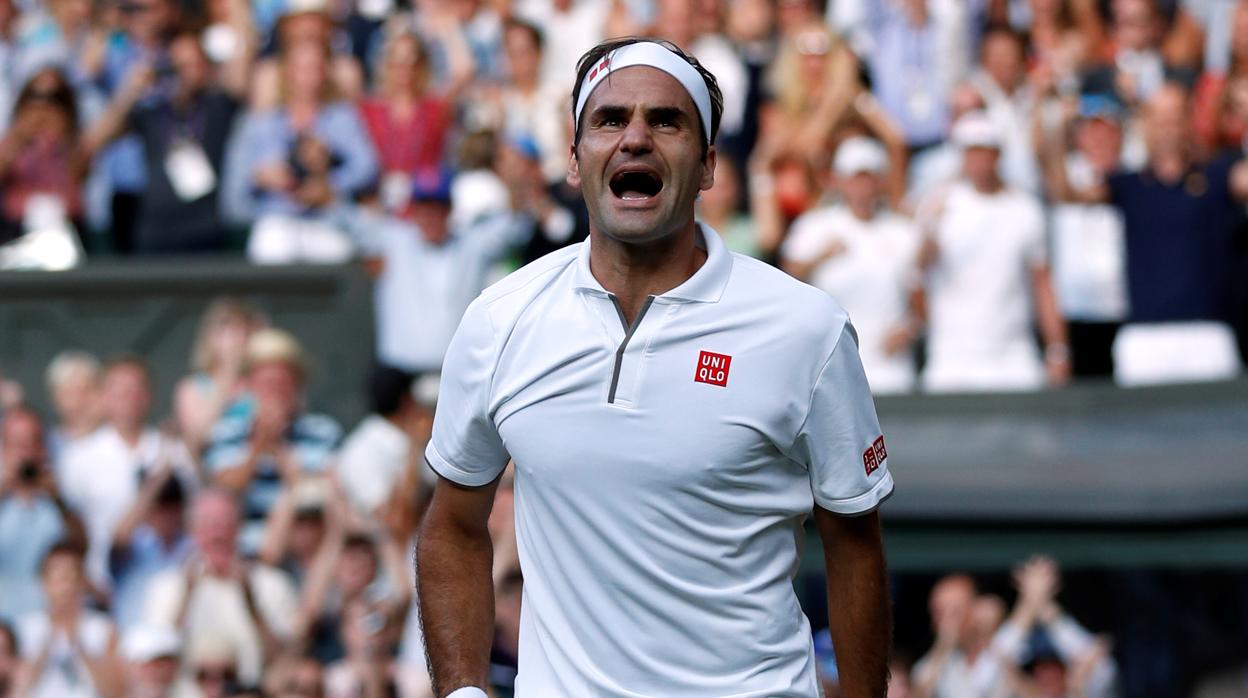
[(574, 169), (708, 170)]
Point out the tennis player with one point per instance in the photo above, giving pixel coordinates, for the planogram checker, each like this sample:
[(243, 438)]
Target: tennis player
[(674, 412)]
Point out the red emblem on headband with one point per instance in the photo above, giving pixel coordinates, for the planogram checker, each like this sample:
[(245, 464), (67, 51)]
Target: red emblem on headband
[(606, 62)]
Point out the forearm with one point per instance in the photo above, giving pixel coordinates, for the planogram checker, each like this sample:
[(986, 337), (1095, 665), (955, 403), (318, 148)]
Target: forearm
[(1052, 324), (860, 623), (456, 600), (237, 478)]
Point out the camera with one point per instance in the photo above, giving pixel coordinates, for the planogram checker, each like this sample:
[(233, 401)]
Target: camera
[(28, 471)]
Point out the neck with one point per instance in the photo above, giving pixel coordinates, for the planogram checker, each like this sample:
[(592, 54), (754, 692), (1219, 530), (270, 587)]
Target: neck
[(1169, 167), (862, 211), (129, 433), (635, 271), (987, 186)]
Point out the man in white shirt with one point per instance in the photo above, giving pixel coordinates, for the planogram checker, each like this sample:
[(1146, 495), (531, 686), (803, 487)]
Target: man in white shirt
[(674, 412), (217, 595), (866, 257), (986, 265), (100, 474)]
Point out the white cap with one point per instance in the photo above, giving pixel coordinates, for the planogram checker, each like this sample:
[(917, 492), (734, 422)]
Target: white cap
[(143, 643), (859, 154), (299, 7), (975, 130)]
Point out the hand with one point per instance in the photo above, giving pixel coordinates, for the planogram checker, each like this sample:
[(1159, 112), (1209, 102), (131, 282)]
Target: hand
[(275, 177), (929, 252), (898, 340), (288, 465), (138, 81), (1037, 581), (315, 193), (835, 248), (268, 431), (1057, 367)]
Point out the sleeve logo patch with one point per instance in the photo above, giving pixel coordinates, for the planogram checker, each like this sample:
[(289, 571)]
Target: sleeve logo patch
[(712, 368), (874, 456)]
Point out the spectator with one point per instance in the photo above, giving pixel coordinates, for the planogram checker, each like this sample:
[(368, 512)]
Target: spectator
[(101, 474), (1220, 99), (73, 382), (213, 667), (578, 24), (408, 119), (920, 51), (152, 656), (388, 442), (866, 257), (1180, 222), (219, 597), (1062, 658), (369, 667), (305, 22), (429, 259), (964, 660), (355, 567), (720, 208), (1063, 34), (290, 166), (42, 164), (10, 659), (183, 128), (558, 213), (1089, 266), (813, 80), (217, 359), (1135, 67), (1010, 99), (69, 650), (298, 677), (149, 539), (300, 525), (940, 164), (985, 261), (32, 515), (532, 108), (266, 437)]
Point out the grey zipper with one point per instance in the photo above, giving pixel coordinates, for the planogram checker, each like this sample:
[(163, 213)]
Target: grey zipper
[(628, 334)]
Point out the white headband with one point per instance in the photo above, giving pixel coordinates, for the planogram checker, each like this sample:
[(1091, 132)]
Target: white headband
[(649, 53)]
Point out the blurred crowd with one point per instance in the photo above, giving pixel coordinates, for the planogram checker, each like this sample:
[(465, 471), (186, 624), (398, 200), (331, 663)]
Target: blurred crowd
[(1002, 193)]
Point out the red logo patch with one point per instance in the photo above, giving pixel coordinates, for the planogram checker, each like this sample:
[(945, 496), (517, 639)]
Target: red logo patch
[(601, 66), (712, 368), (880, 452), (869, 461)]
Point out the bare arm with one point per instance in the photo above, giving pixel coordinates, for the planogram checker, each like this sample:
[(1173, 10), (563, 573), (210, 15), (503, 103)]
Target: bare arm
[(142, 505), (453, 561), (236, 73), (1052, 326), (861, 625), (889, 133), (112, 123)]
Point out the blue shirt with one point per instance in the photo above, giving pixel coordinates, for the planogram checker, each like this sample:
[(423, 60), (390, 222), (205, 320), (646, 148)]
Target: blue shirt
[(1179, 240), (28, 527), (134, 565), (266, 138), (312, 437)]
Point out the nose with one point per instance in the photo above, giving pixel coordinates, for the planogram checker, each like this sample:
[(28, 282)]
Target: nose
[(637, 138)]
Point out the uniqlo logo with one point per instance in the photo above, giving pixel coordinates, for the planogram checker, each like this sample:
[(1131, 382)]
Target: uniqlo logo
[(880, 452), (712, 368), (869, 462)]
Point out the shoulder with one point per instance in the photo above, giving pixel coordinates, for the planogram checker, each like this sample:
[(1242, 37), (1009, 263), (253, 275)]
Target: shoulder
[(318, 427), (514, 291), (806, 313)]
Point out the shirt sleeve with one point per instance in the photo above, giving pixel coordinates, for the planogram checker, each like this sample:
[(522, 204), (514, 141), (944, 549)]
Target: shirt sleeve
[(466, 447), (840, 441), (803, 243)]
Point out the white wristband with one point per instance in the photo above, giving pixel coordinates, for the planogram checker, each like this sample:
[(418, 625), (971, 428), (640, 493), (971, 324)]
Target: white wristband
[(467, 692)]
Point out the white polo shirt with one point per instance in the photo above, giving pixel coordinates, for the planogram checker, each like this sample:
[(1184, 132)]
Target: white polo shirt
[(662, 470)]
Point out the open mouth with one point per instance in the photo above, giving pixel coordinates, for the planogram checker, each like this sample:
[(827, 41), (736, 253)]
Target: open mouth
[(635, 185)]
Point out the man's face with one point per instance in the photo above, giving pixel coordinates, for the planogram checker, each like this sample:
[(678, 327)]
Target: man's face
[(76, 395), (431, 217), (861, 189), (156, 674), (1003, 60), (189, 62), (980, 165), (1100, 140), (275, 384), (523, 56), (127, 396), (639, 162), (62, 580), (1166, 121), (21, 438), (215, 530), (1135, 24)]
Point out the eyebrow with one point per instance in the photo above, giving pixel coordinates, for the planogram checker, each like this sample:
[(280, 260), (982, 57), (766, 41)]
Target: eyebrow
[(605, 111)]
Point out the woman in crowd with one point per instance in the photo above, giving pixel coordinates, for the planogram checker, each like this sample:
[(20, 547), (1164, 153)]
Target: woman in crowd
[(217, 360), (407, 118), (42, 166), (291, 165)]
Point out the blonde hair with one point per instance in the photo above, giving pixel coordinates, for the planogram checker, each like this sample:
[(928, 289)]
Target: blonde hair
[(68, 363), (218, 313), (785, 78), (382, 61)]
